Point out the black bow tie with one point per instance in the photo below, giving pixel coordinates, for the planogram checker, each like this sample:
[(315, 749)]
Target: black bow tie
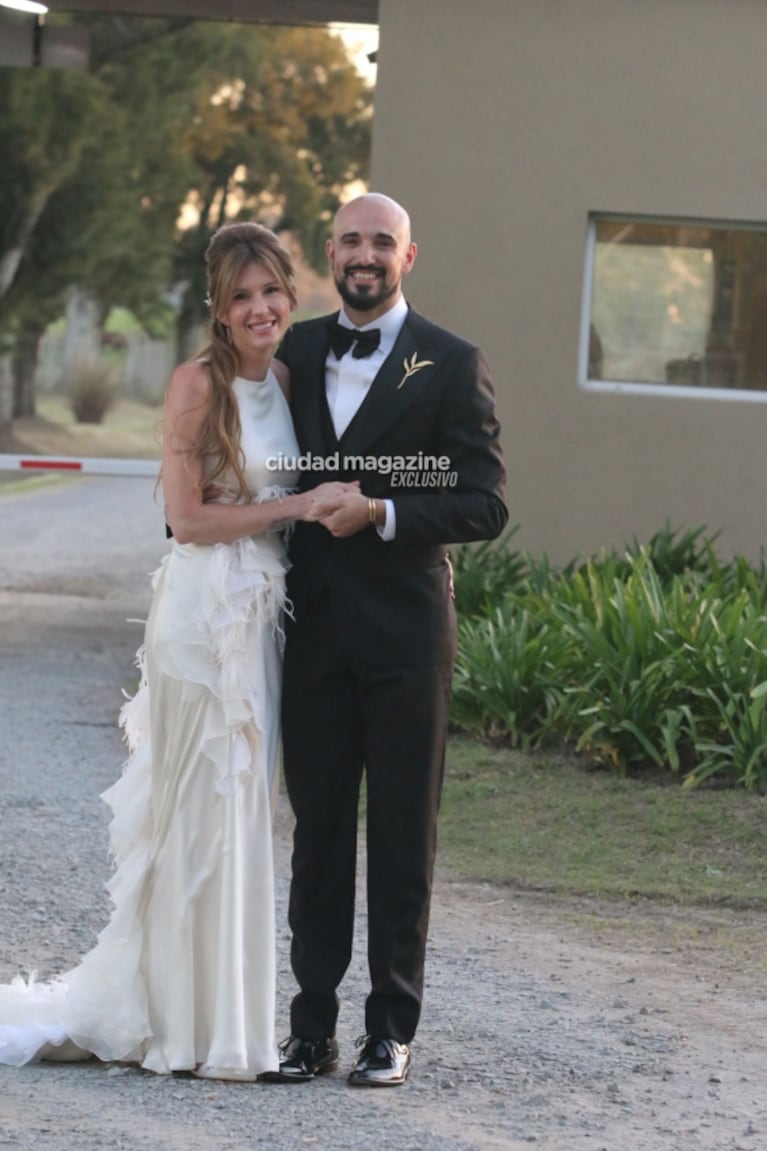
[(341, 339)]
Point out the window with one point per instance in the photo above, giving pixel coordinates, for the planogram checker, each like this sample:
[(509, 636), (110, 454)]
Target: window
[(675, 307)]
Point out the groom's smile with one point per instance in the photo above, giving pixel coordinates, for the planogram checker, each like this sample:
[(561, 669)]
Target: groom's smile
[(364, 287), (364, 275)]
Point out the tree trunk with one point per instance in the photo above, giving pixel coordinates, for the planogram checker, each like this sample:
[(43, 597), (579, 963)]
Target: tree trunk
[(190, 324), (6, 400), (193, 314), (25, 353), (82, 336), (11, 258)]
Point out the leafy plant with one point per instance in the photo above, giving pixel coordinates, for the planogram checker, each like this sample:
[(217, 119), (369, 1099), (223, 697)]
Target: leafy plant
[(740, 753), (622, 703), (505, 683), (486, 573), (656, 657), (671, 554)]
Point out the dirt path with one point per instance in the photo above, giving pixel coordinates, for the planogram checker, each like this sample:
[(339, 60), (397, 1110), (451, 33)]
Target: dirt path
[(579, 1026)]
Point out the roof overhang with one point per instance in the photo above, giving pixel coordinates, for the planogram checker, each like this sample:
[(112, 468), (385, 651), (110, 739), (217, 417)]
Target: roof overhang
[(303, 12)]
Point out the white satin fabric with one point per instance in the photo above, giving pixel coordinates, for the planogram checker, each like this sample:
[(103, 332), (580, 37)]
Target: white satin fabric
[(184, 973)]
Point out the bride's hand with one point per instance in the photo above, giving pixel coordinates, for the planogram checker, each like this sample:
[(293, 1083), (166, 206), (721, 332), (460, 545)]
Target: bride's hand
[(325, 499)]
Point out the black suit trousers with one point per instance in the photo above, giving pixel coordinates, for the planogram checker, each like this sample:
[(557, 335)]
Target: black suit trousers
[(346, 713)]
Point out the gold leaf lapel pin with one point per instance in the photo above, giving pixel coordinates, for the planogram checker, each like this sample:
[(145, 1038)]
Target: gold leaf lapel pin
[(412, 366)]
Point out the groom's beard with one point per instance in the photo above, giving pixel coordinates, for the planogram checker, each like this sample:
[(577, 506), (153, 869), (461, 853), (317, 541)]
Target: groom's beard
[(365, 297)]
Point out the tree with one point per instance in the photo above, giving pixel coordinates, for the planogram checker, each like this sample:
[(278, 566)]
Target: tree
[(281, 127), (101, 181), (46, 119), (259, 121), (40, 156)]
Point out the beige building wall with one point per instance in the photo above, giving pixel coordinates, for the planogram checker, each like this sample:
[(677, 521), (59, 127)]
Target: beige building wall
[(501, 124)]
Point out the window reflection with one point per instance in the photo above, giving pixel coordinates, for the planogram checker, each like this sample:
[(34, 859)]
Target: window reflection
[(678, 304)]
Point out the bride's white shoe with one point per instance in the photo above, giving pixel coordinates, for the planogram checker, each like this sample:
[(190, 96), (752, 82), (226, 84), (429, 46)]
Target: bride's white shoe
[(232, 1074)]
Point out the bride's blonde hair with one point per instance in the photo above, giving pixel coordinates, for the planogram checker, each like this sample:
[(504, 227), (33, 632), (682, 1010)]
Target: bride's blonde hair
[(232, 248)]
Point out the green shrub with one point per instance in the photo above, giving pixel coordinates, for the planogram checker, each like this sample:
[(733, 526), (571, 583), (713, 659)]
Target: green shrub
[(655, 658), (485, 573), (505, 683), (672, 555), (724, 677), (621, 695)]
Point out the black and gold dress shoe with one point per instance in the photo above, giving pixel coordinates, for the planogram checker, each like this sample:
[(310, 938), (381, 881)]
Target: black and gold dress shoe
[(382, 1062), (302, 1059)]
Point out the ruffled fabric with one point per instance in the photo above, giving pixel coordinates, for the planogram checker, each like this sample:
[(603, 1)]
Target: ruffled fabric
[(183, 974), (240, 594)]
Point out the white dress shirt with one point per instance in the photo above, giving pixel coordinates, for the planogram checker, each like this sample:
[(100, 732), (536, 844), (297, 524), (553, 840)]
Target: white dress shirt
[(347, 382)]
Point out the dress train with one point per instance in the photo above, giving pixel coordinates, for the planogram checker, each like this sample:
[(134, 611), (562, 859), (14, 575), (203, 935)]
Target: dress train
[(182, 977)]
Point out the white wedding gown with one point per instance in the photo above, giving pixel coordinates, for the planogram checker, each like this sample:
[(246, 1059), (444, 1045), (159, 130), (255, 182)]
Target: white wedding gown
[(183, 976)]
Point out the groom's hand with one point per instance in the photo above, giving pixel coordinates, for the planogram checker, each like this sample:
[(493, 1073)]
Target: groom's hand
[(323, 500), (349, 515)]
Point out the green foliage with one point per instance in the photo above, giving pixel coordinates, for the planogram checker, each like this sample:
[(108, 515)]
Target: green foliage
[(507, 681), (279, 126), (671, 555), (656, 658), (484, 573), (223, 120), (102, 216), (619, 691)]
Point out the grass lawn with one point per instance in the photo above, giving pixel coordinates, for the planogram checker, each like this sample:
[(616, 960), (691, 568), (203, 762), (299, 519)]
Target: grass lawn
[(543, 822), (131, 430)]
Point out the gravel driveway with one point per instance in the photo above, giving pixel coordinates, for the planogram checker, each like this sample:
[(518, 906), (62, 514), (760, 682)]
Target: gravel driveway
[(568, 1027)]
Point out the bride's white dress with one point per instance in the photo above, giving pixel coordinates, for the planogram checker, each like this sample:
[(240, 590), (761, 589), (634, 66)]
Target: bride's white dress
[(184, 973)]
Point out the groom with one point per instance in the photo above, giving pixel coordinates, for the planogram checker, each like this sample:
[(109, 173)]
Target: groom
[(382, 396)]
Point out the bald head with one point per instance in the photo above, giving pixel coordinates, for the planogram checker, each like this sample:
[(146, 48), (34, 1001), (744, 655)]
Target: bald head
[(374, 205), (370, 251)]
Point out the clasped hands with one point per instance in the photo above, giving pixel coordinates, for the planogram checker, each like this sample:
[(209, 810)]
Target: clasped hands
[(339, 507)]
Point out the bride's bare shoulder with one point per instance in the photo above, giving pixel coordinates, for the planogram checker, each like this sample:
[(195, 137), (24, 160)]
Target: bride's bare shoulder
[(190, 382)]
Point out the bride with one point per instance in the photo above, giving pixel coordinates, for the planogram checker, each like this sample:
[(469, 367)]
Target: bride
[(183, 976)]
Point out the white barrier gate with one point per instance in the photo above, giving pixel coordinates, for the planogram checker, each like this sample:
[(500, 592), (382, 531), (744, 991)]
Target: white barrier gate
[(85, 466)]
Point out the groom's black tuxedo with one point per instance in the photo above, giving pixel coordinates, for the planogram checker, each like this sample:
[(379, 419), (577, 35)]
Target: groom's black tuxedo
[(370, 654)]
